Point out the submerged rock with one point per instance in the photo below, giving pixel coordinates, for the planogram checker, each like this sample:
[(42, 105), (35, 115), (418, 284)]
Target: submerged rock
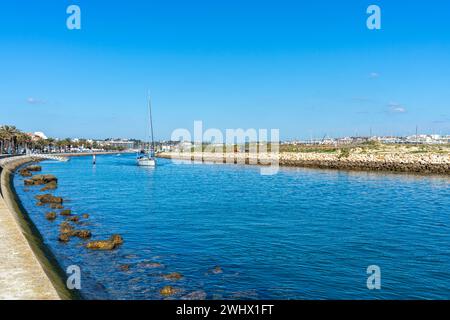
[(25, 173), (34, 168), (124, 267), (174, 276), (196, 295), (115, 241), (168, 291), (40, 179), (50, 186), (56, 206), (66, 213), (217, 270), (64, 237), (73, 218), (82, 234), (50, 216), (48, 198), (85, 216), (65, 227)]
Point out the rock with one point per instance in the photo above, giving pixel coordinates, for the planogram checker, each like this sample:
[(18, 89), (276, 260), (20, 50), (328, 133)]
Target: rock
[(40, 179), (33, 168), (82, 234), (66, 213), (50, 186), (217, 270), (64, 237), (65, 227), (85, 216), (196, 295), (73, 218), (168, 291), (124, 267), (174, 276), (48, 198), (25, 173), (50, 216), (115, 241), (56, 206)]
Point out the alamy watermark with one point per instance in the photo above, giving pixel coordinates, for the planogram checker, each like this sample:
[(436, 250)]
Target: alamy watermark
[(250, 146), (74, 277), (374, 279)]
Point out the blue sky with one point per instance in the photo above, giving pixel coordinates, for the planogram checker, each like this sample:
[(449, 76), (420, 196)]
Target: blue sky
[(309, 68)]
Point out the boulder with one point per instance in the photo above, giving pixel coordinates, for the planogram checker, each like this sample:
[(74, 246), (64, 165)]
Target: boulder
[(168, 291), (115, 241), (66, 213), (50, 186), (33, 168), (40, 179), (64, 237), (48, 198), (65, 227), (73, 218), (50, 216), (82, 234), (25, 173), (217, 270), (174, 276)]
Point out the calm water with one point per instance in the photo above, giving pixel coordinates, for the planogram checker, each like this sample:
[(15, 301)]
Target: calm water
[(303, 234)]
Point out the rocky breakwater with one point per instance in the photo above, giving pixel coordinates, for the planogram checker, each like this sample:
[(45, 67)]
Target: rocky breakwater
[(426, 163), (394, 162)]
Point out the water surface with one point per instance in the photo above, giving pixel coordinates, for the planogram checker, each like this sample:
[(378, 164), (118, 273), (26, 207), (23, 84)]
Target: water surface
[(300, 234)]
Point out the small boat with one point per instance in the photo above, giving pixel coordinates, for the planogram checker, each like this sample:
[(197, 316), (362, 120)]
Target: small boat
[(147, 158)]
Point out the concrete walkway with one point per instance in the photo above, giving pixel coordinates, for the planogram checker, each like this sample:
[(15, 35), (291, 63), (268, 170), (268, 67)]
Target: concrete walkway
[(21, 275)]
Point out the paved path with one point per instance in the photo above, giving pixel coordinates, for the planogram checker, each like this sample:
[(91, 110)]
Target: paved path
[(21, 275)]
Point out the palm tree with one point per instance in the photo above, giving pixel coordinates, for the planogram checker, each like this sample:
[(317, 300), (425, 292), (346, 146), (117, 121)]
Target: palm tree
[(9, 137)]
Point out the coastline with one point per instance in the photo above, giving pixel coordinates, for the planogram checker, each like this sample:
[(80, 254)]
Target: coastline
[(29, 270), (391, 162)]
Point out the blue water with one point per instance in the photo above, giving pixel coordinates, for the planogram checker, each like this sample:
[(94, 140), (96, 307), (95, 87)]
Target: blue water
[(300, 234)]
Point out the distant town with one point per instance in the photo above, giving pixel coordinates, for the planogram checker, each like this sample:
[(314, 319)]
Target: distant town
[(15, 141)]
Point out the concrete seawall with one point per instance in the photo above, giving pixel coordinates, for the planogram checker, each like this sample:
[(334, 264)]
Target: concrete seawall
[(28, 270), (395, 162)]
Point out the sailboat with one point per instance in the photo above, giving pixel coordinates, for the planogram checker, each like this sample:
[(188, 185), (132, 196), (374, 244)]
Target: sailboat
[(147, 158)]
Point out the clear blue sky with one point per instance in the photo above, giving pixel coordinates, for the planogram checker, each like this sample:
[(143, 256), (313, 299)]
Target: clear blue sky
[(309, 68)]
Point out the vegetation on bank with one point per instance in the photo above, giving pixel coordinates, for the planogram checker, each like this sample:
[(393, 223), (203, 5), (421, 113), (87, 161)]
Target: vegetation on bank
[(14, 141)]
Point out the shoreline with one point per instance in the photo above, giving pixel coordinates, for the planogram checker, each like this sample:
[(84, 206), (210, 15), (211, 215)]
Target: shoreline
[(436, 164), (37, 275)]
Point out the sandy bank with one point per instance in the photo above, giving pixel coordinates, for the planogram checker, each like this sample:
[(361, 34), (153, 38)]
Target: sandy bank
[(28, 270)]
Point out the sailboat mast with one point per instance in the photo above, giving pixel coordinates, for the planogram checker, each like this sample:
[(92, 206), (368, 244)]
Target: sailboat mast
[(151, 121)]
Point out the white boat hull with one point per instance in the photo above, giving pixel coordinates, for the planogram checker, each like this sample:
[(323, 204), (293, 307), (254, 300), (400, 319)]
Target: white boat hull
[(146, 162)]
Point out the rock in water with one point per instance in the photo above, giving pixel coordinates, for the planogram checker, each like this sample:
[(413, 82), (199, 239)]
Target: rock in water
[(34, 168), (63, 237), (40, 179), (25, 173), (217, 270), (115, 241), (174, 276), (85, 216), (82, 234), (50, 186), (56, 206), (48, 198), (66, 213), (73, 219), (50, 216), (168, 291), (124, 267)]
